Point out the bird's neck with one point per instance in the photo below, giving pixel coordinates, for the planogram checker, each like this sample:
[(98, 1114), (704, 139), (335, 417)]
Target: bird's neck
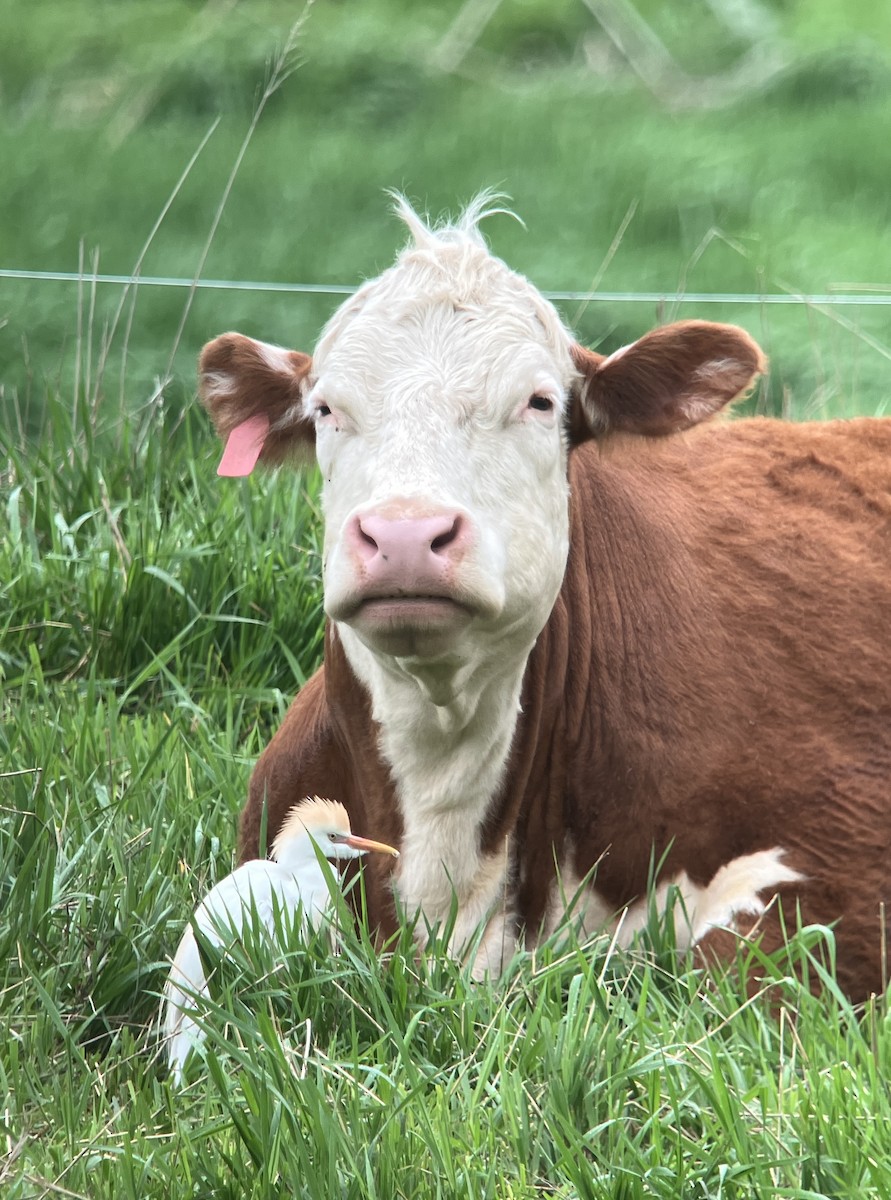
[(302, 858)]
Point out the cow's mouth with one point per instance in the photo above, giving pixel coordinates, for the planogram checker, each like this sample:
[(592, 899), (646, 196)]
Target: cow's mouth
[(407, 625), (414, 611)]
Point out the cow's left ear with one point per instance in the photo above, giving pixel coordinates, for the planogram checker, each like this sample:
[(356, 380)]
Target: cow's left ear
[(669, 380)]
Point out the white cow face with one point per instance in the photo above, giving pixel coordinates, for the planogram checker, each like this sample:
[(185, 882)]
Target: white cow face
[(438, 400), (438, 403)]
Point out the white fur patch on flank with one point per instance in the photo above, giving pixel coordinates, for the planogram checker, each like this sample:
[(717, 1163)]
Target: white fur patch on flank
[(742, 887), (737, 889)]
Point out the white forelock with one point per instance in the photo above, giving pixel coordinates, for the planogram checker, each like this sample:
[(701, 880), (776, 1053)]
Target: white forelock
[(428, 236), (448, 263)]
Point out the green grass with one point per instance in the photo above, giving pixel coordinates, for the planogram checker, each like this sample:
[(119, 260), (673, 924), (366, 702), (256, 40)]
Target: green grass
[(583, 1073), (155, 621)]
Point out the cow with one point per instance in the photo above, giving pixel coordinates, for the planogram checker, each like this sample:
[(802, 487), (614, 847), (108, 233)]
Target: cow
[(584, 637)]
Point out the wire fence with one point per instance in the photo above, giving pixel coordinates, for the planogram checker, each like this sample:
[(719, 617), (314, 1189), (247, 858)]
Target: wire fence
[(831, 299)]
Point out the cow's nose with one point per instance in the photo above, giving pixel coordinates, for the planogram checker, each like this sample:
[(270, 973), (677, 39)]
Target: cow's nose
[(410, 546)]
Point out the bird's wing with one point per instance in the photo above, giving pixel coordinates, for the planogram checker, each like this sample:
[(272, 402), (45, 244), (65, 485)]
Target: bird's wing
[(266, 889), (221, 916), (227, 910), (312, 892)]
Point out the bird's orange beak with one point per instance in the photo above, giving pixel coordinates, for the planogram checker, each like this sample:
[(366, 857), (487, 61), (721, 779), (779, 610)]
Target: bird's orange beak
[(361, 843)]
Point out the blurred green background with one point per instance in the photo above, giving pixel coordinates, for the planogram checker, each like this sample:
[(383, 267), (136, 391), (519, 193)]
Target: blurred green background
[(703, 145)]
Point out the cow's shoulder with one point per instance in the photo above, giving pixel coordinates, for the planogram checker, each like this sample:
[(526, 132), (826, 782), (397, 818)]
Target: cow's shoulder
[(301, 760), (814, 464), (831, 476)]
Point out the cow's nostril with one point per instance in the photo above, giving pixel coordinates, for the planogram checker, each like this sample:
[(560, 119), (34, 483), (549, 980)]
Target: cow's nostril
[(443, 540)]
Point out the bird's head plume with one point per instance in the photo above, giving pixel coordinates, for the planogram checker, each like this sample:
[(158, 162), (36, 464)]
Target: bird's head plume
[(326, 823)]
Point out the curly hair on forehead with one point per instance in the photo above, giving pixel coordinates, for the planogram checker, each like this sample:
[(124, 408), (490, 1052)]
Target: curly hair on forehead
[(429, 235)]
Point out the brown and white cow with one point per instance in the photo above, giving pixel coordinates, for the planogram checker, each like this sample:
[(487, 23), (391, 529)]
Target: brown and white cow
[(572, 622)]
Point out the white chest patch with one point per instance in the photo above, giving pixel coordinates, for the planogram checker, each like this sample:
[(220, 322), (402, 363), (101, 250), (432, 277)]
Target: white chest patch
[(442, 872), (449, 880), (448, 763)]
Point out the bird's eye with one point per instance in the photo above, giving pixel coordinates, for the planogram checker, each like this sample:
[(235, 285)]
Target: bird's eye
[(332, 837), (541, 403)]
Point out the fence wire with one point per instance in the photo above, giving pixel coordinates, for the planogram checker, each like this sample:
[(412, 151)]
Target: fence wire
[(831, 299)]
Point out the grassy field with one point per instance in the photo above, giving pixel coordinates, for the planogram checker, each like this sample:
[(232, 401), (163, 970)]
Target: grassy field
[(158, 622), (154, 621)]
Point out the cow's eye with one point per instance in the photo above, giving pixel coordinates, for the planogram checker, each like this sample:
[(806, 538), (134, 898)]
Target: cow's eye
[(541, 403), (322, 410)]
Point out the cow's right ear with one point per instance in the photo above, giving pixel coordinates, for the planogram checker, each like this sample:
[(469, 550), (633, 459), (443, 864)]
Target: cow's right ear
[(254, 394)]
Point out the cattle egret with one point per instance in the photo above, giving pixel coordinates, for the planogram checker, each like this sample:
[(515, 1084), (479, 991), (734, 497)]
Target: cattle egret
[(292, 882)]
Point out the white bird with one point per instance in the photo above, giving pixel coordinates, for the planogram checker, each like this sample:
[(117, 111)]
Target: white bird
[(276, 891)]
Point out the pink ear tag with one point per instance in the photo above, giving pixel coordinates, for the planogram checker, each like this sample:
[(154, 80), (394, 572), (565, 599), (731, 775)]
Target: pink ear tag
[(243, 446)]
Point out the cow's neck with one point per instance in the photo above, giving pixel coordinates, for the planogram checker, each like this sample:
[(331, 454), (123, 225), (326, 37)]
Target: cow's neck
[(445, 733)]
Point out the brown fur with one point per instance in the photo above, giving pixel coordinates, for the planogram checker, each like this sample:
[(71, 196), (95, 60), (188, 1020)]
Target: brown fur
[(271, 392), (714, 679)]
